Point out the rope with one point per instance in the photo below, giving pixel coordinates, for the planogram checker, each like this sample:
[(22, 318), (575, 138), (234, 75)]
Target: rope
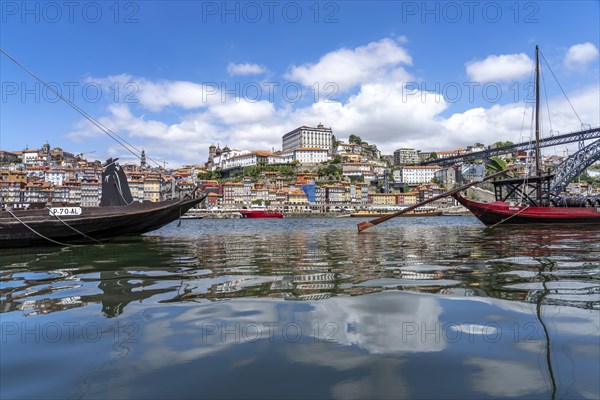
[(506, 219), (561, 88), (126, 145), (36, 232), (89, 237)]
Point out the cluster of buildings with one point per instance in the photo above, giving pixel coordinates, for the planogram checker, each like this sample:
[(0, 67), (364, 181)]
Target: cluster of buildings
[(304, 194), (364, 177), (361, 170), (40, 176), (304, 148)]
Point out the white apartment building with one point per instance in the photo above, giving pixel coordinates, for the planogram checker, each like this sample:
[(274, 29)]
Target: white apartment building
[(29, 156), (311, 155), (220, 160), (306, 136), (417, 174), (358, 169), (247, 160), (56, 177), (90, 193)]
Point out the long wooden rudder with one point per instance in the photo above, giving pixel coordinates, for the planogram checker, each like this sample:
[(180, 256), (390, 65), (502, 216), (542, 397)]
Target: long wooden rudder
[(367, 224)]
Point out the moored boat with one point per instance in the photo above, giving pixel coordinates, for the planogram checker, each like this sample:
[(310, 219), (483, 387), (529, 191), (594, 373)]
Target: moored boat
[(536, 199), (260, 213), (505, 213), (117, 215)]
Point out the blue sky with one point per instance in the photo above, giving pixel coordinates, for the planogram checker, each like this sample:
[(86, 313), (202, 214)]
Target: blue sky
[(174, 77)]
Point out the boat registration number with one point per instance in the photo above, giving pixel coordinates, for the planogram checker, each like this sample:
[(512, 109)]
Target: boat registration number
[(65, 211)]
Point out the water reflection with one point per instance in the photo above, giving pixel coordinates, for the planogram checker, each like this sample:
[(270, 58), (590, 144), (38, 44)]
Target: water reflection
[(303, 265), (499, 313)]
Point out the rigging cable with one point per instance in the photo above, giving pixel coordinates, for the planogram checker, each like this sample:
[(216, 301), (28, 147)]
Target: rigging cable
[(546, 98), (562, 90), (36, 232), (126, 145)]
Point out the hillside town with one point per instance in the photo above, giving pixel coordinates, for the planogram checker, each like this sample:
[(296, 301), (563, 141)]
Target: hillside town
[(313, 172)]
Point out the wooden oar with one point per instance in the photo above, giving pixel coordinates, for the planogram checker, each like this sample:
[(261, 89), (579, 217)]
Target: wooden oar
[(367, 224)]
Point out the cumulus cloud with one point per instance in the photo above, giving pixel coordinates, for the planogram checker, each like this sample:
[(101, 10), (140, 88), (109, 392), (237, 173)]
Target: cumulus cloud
[(382, 114), (160, 94), (382, 111), (348, 68), (500, 68), (245, 69), (581, 54)]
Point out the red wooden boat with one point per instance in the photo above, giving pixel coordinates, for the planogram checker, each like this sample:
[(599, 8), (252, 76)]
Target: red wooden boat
[(531, 200), (258, 213), (502, 212)]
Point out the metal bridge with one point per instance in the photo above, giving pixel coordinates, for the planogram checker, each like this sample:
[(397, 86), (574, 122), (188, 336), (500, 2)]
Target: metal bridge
[(573, 166), (572, 137)]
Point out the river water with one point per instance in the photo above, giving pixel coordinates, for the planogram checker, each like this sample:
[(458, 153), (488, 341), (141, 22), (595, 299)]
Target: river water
[(307, 308)]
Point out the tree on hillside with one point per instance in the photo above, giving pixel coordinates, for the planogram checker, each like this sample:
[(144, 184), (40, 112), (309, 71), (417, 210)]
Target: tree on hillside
[(210, 175), (355, 139), (433, 156)]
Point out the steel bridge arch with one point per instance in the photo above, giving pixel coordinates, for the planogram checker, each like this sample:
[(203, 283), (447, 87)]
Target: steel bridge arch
[(585, 135), (573, 166)]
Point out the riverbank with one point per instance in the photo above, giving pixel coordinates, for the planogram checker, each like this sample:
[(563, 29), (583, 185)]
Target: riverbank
[(234, 214)]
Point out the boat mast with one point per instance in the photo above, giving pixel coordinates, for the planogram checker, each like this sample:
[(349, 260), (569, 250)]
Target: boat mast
[(538, 167)]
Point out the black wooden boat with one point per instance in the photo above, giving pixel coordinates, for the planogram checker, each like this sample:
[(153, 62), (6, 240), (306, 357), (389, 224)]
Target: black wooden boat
[(117, 215)]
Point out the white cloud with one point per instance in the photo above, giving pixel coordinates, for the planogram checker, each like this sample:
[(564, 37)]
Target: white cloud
[(381, 110), (348, 68), (188, 95), (503, 122), (500, 68), (379, 113), (245, 69), (581, 54), (157, 95)]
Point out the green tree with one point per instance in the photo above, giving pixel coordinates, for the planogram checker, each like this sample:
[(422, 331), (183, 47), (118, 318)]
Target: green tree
[(210, 175), (433, 156), (355, 139), (330, 170)]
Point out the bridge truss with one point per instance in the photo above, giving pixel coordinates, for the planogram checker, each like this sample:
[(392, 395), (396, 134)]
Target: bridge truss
[(573, 166), (572, 137)]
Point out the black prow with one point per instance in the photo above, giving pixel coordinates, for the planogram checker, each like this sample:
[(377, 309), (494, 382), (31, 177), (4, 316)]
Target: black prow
[(115, 189)]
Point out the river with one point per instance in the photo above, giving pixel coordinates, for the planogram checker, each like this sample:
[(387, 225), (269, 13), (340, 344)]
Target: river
[(416, 307)]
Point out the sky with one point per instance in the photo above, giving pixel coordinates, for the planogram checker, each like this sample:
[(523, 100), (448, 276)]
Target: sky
[(172, 77)]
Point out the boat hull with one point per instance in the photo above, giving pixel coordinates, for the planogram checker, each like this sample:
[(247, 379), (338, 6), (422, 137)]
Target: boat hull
[(98, 223), (260, 214), (502, 213)]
